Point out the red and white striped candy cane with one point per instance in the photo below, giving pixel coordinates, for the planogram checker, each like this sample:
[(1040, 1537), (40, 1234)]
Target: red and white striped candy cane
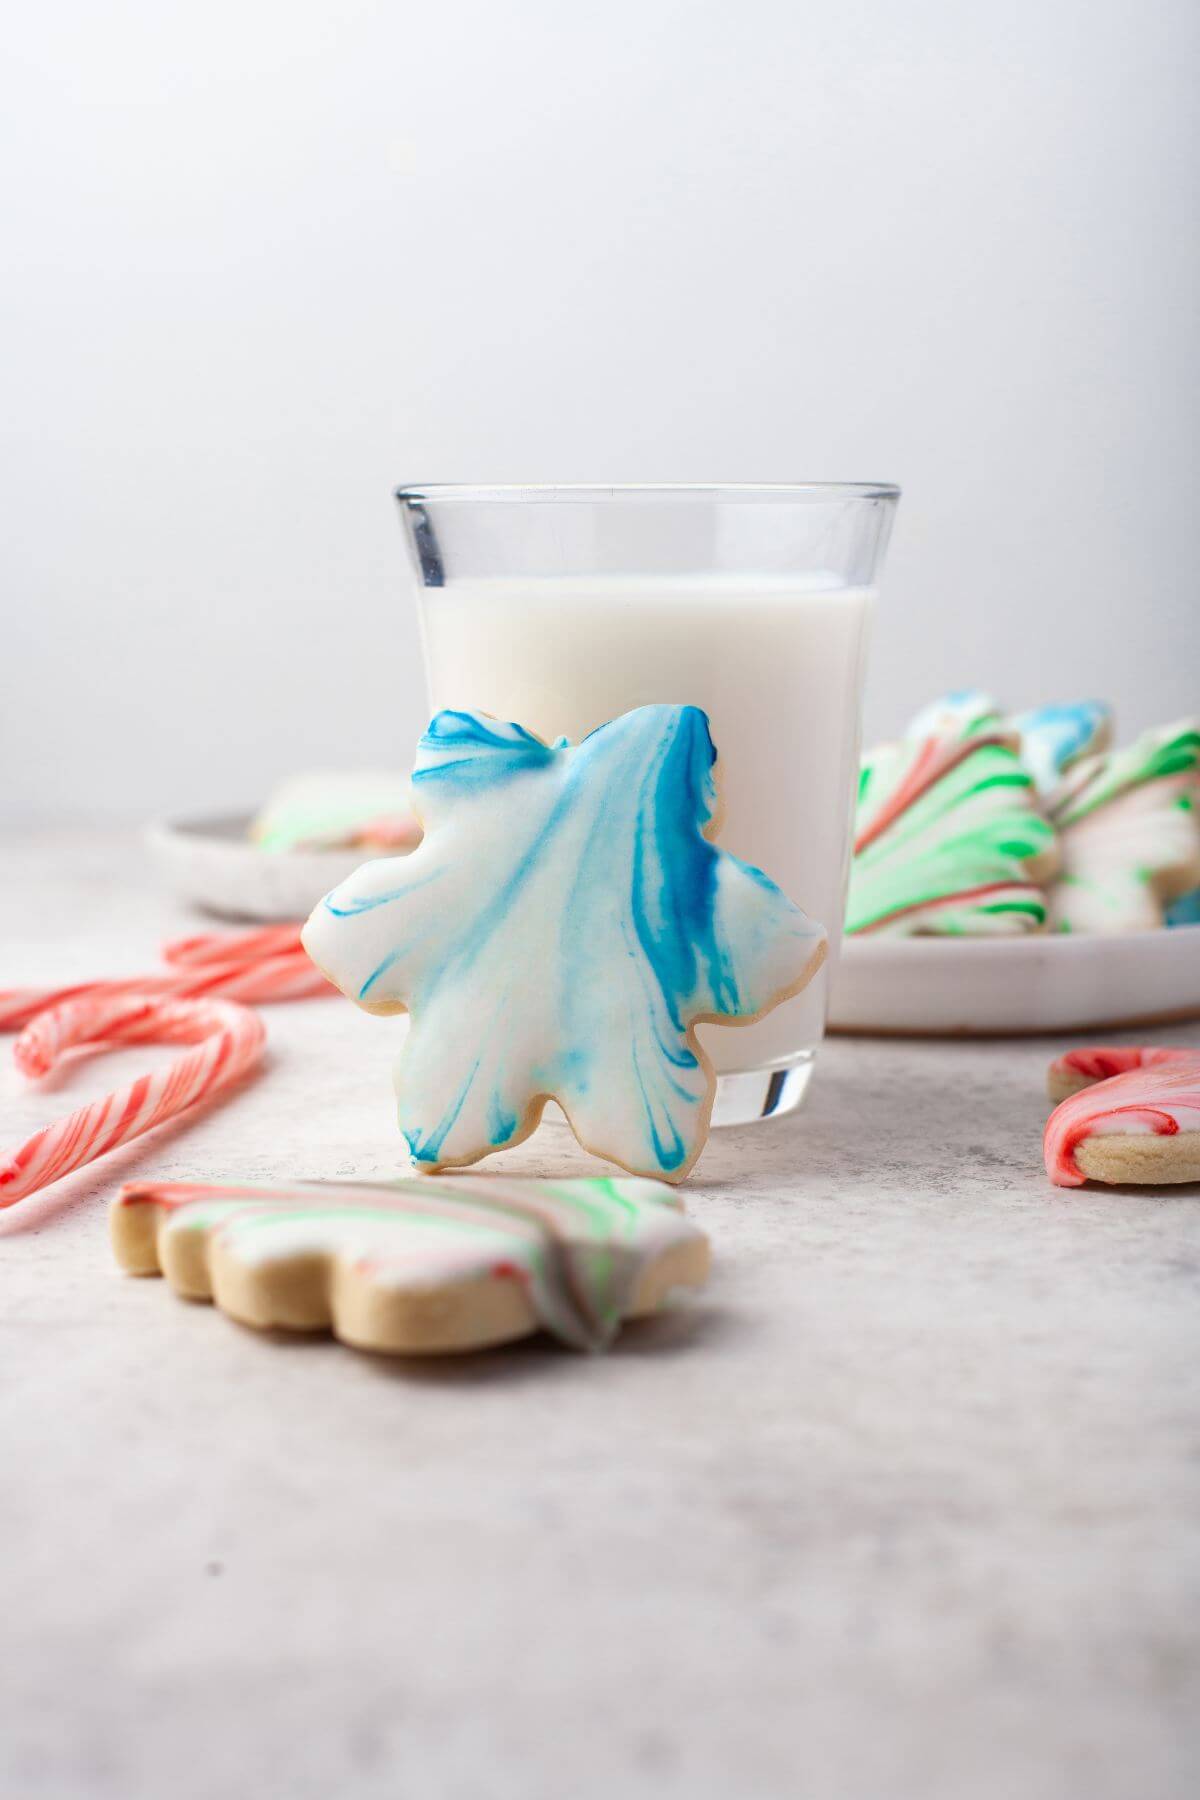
[(231, 947), (228, 1041), (290, 976)]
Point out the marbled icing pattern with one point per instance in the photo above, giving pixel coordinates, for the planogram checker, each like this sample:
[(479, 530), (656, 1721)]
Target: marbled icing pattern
[(1054, 738), (1126, 824), (1129, 831), (1100, 1062), (949, 841), (577, 1248), (1050, 738), (562, 926), (1157, 1095), (964, 712)]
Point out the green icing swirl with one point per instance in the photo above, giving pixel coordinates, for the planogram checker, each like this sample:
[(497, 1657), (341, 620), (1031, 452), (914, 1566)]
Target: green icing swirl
[(949, 840)]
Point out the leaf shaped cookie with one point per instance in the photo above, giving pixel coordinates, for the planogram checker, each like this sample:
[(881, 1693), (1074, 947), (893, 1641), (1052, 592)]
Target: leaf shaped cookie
[(949, 839), (417, 1266), (561, 929), (1129, 830)]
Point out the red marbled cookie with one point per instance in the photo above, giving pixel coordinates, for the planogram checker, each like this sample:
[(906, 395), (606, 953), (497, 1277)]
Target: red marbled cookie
[(1125, 1114)]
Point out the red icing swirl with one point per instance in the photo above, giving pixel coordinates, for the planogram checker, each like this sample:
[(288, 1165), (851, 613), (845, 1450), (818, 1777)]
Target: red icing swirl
[(1148, 1089)]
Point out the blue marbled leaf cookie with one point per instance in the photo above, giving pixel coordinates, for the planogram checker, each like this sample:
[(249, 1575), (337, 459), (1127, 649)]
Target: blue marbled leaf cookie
[(561, 928)]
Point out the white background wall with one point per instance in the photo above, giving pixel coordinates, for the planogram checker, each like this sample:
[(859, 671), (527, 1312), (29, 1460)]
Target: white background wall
[(268, 258)]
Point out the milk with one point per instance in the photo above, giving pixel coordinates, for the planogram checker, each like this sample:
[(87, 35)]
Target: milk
[(775, 663)]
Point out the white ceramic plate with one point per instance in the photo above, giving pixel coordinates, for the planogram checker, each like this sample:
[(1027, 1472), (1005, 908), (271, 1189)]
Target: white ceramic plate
[(980, 987), (212, 863), (932, 987)]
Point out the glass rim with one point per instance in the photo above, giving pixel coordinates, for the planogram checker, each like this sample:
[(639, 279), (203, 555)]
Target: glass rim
[(584, 493)]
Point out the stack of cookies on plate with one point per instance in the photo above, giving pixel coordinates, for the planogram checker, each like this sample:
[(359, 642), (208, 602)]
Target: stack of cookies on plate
[(978, 823)]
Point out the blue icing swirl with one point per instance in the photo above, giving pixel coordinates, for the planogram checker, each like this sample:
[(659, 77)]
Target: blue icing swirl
[(1184, 911), (469, 747), (561, 927), (1053, 737)]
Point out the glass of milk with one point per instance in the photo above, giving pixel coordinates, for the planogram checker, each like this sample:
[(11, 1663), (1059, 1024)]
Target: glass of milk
[(560, 607)]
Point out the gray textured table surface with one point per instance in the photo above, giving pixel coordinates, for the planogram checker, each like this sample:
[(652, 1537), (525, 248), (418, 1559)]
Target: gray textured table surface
[(907, 1505)]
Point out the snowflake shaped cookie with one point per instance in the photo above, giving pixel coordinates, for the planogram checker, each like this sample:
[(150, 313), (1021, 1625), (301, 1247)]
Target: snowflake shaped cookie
[(558, 934)]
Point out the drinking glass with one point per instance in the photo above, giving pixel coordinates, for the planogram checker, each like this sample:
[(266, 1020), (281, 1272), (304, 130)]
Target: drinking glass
[(560, 607)]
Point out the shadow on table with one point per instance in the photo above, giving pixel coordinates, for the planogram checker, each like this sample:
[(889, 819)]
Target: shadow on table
[(678, 1331)]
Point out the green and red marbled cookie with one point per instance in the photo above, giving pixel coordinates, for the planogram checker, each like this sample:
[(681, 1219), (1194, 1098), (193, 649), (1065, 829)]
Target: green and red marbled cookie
[(1128, 823), (977, 824), (1126, 1113), (420, 1266), (368, 809), (949, 838)]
